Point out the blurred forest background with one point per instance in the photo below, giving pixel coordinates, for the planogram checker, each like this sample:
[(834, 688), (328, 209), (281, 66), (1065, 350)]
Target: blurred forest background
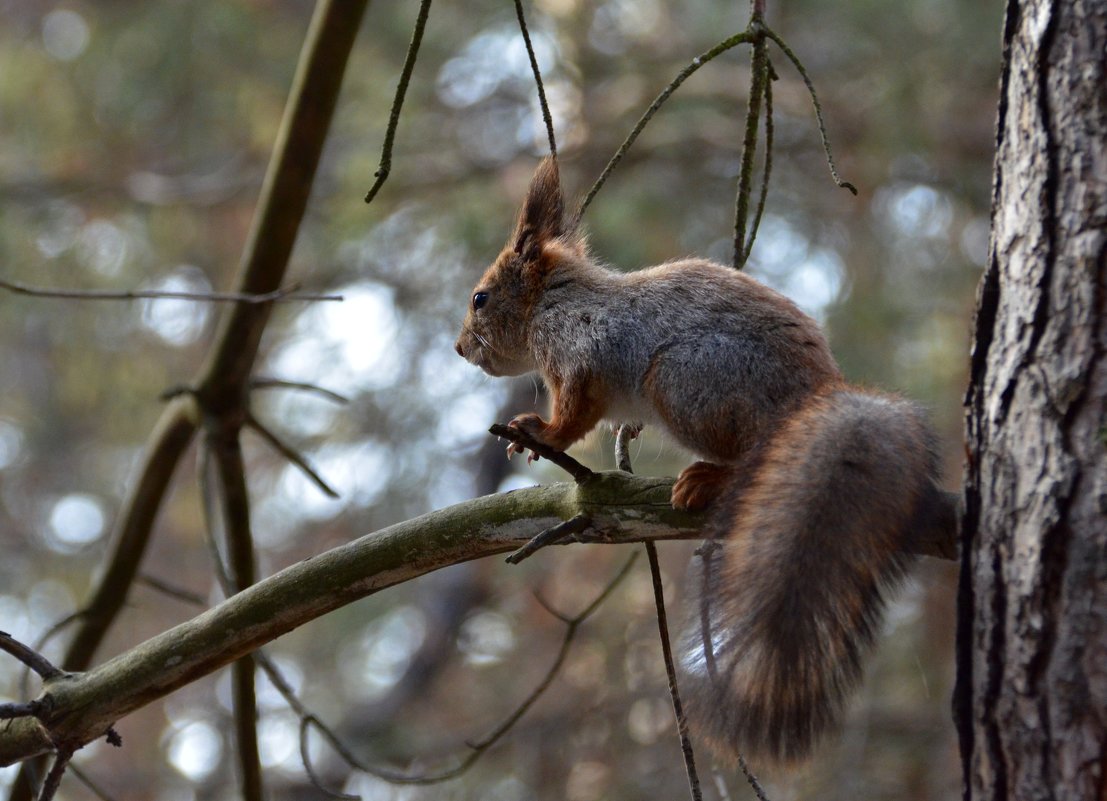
[(133, 140)]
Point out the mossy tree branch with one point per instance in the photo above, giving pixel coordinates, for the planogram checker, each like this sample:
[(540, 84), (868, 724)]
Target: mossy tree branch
[(79, 708)]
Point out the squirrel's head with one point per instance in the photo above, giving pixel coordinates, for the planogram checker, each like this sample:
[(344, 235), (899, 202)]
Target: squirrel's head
[(495, 334)]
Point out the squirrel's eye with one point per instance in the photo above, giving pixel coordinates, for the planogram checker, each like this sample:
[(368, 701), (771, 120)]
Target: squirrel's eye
[(479, 299)]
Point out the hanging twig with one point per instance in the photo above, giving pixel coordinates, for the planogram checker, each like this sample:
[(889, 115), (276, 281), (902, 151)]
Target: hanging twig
[(758, 80), (682, 76), (768, 166), (170, 590), (54, 777), (622, 457), (381, 175), (546, 117), (479, 747), (818, 107), (224, 448), (285, 295), (87, 781), (276, 383), (670, 672), (291, 455)]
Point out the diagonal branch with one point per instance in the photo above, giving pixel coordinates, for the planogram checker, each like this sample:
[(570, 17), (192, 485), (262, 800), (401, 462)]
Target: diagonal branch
[(276, 296), (29, 657), (623, 508), (223, 379)]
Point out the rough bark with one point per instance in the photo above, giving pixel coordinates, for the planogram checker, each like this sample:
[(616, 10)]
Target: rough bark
[(1032, 673)]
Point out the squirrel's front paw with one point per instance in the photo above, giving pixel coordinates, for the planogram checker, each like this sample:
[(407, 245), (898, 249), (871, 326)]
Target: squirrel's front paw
[(532, 425)]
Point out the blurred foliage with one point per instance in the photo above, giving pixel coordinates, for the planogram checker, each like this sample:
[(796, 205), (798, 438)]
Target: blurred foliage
[(133, 138)]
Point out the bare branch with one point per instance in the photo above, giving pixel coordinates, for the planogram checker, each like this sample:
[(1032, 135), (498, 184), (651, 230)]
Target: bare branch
[(622, 457), (276, 383), (32, 659), (659, 101), (479, 747), (289, 453), (30, 709), (554, 535), (87, 781), (670, 672), (170, 590), (759, 77), (622, 507), (284, 197), (537, 78), (286, 295), (818, 107), (768, 165), (385, 167), (226, 450), (563, 460), (54, 777)]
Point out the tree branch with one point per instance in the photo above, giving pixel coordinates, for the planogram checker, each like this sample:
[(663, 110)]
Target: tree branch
[(623, 509), (222, 383)]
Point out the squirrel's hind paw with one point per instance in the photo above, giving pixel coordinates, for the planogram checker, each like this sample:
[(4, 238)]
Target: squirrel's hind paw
[(699, 484)]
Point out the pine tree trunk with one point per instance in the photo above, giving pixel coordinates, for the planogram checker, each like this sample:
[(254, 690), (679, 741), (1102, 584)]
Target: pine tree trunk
[(1032, 664)]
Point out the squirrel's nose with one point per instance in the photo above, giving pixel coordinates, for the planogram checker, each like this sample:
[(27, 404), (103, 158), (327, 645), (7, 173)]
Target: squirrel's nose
[(457, 347)]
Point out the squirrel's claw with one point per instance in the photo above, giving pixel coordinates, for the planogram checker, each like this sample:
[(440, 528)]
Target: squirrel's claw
[(530, 424)]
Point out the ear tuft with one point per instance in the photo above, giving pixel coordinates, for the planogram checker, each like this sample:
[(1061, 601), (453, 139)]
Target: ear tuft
[(542, 217)]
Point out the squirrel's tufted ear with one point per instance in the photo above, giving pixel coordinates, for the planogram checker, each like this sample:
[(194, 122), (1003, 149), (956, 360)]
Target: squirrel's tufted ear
[(542, 217)]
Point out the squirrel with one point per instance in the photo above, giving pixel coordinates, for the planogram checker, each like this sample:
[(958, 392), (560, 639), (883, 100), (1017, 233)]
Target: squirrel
[(814, 489)]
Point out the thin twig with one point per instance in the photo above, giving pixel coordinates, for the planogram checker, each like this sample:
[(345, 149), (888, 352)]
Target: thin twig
[(165, 588), (211, 518), (537, 78), (670, 671), (707, 553), (291, 455), (40, 645), (306, 722), (277, 383), (381, 175), (818, 107), (768, 166), (563, 460), (285, 295), (54, 777), (758, 79), (481, 746), (551, 536), (92, 786), (31, 709), (682, 76), (758, 790), (280, 209), (32, 659), (623, 458), (226, 448), (626, 433)]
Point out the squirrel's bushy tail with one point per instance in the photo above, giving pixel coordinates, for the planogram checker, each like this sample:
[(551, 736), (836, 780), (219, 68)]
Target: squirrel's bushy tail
[(811, 541)]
